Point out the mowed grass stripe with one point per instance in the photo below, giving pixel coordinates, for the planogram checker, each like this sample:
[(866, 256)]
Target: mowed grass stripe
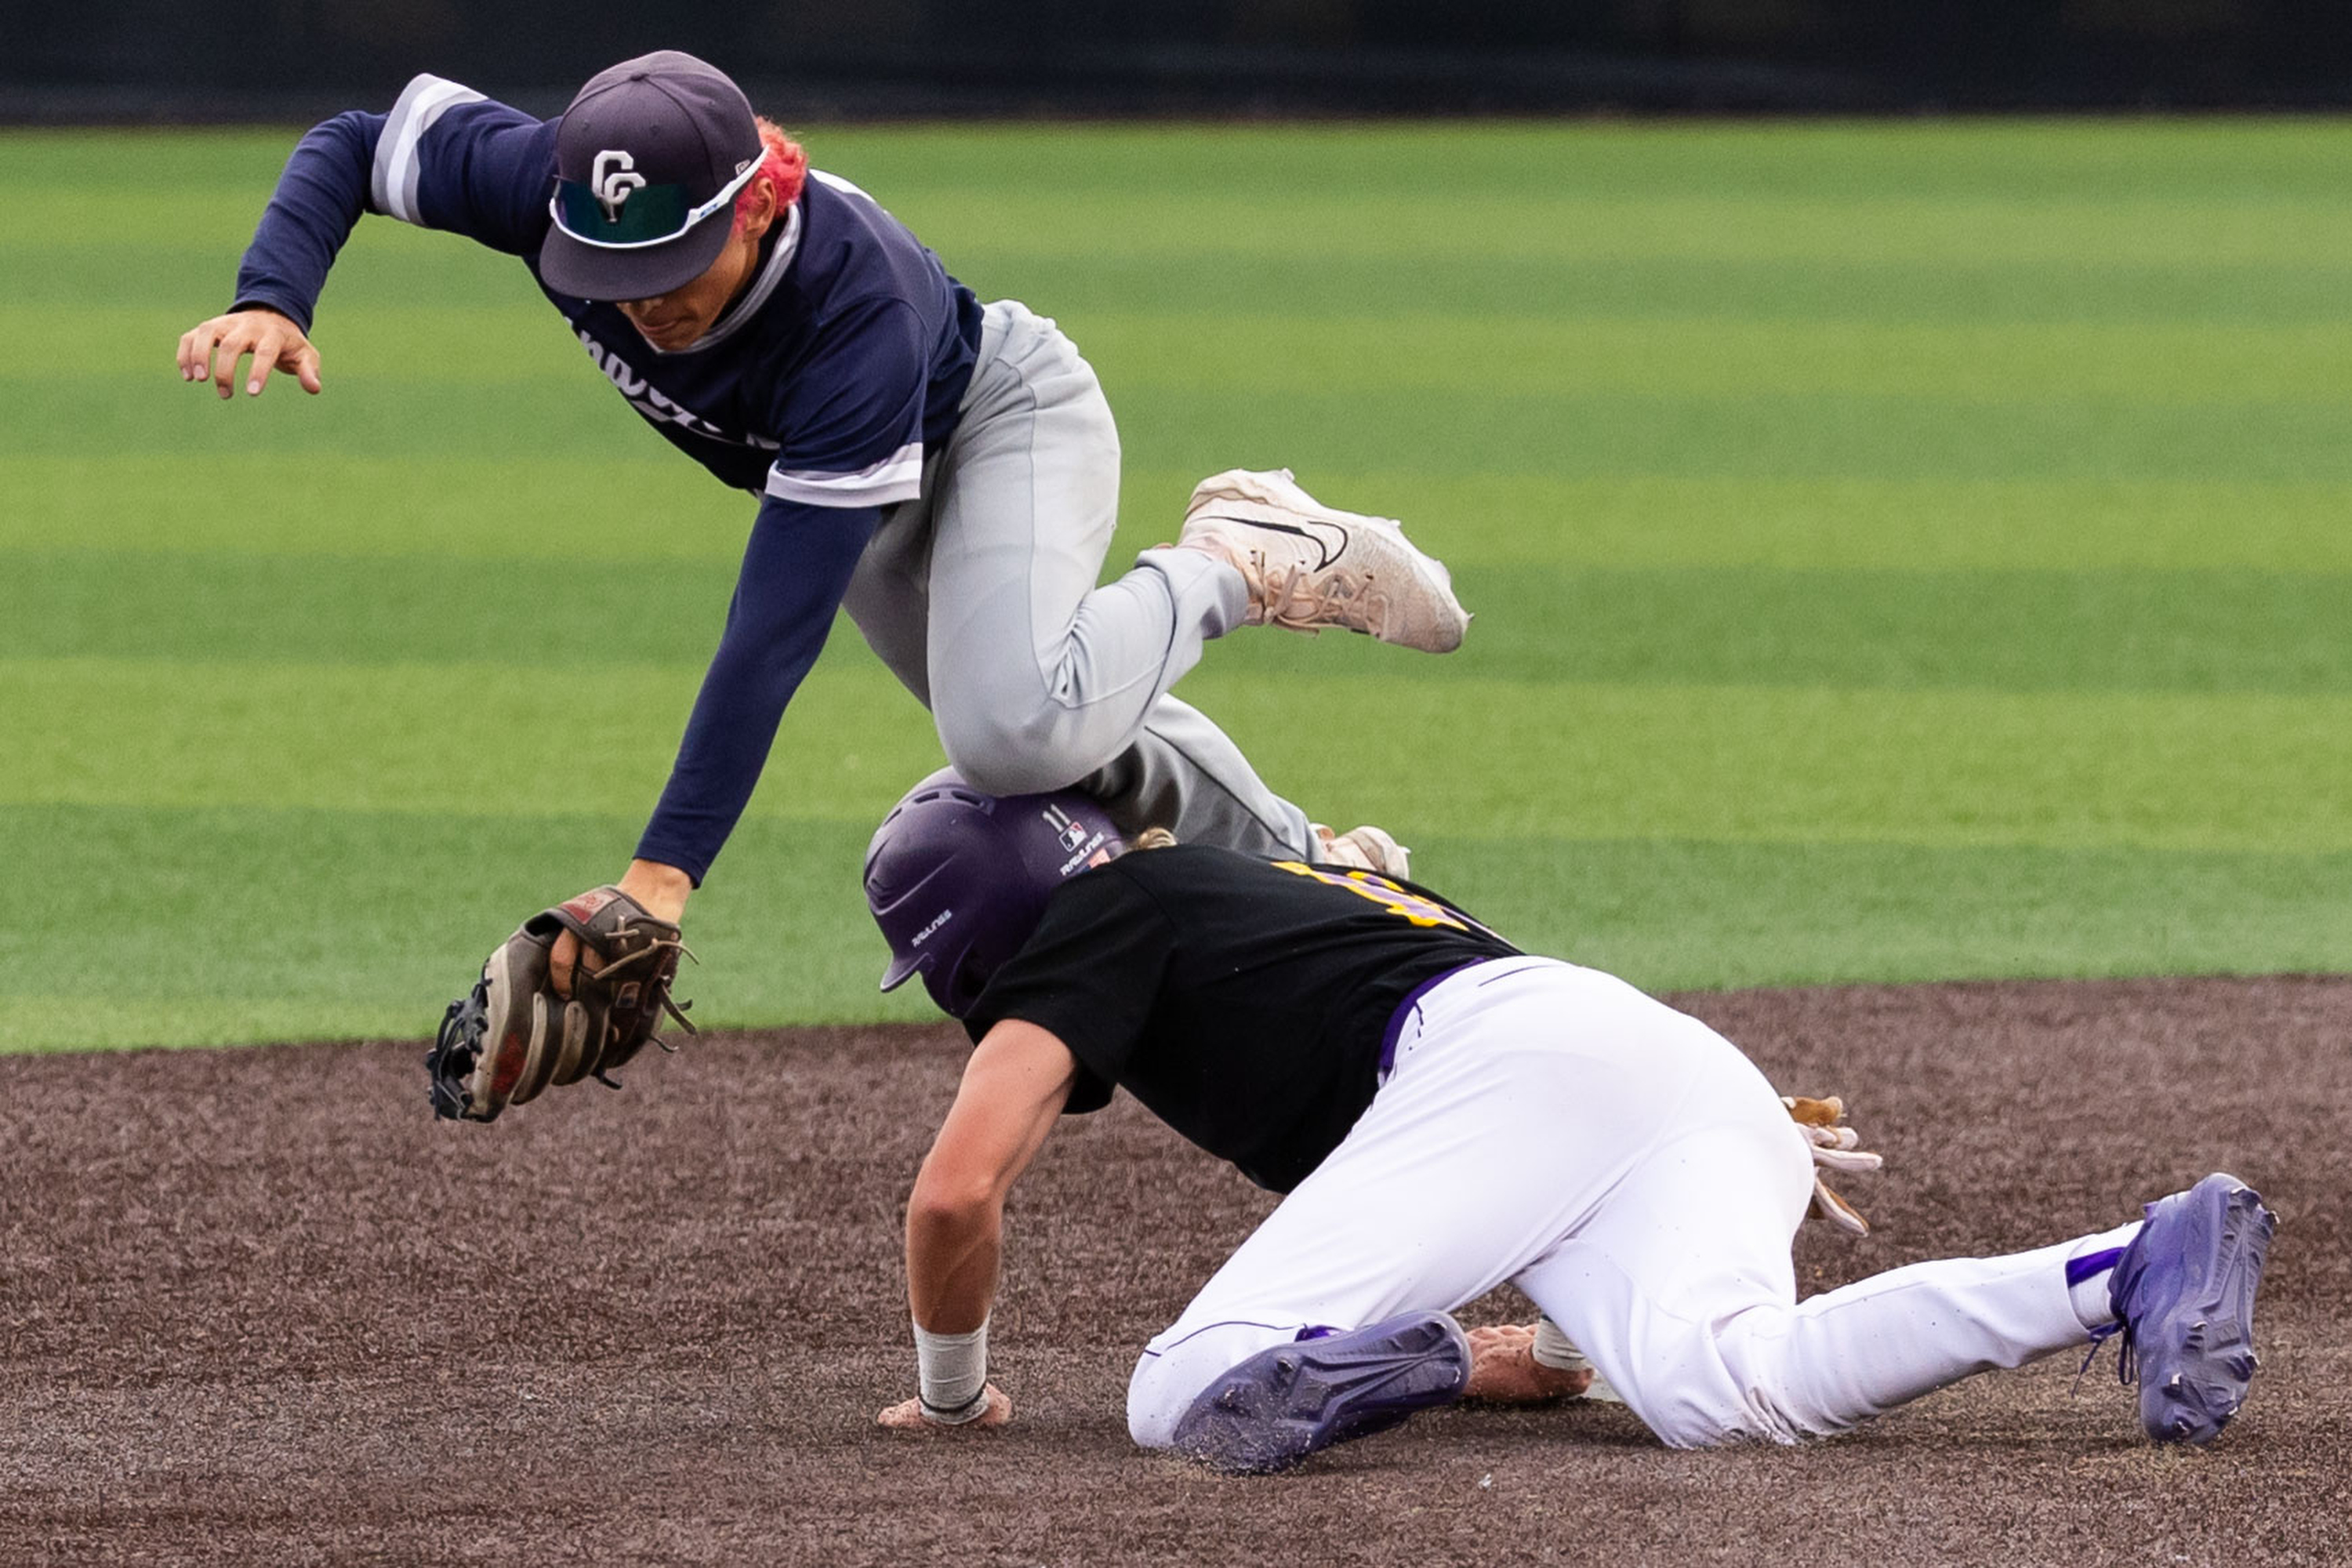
[(2131, 222), (1890, 630), (231, 925), (1758, 435), (339, 610), (1677, 914), (1350, 429), (1219, 353), (621, 509), (1835, 523), (2193, 631), (393, 270), (1765, 764), (350, 924), (1868, 224), (633, 503), (1076, 288), (2160, 363), (2179, 772), (429, 739), (1566, 194), (2020, 158)]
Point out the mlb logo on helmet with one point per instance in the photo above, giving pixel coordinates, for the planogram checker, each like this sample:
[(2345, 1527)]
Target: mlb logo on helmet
[(1066, 830)]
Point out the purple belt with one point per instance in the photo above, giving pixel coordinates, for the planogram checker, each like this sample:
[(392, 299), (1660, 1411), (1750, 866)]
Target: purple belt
[(1404, 1009)]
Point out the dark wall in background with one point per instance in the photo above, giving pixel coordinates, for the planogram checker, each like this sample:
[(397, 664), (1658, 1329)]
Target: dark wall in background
[(241, 59)]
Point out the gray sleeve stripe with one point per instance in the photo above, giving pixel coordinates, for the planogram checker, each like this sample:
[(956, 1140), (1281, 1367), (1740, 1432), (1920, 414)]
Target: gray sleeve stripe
[(838, 183), (392, 185), (897, 478)]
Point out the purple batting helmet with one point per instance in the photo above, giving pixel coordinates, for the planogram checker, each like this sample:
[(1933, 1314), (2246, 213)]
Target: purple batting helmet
[(956, 879)]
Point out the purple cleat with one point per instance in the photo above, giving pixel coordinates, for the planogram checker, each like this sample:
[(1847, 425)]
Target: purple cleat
[(2184, 1294), (1281, 1405)]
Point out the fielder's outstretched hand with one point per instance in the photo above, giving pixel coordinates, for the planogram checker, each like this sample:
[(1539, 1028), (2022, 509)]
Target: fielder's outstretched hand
[(210, 351), (1835, 1147), (996, 1409), (660, 891), (517, 1033)]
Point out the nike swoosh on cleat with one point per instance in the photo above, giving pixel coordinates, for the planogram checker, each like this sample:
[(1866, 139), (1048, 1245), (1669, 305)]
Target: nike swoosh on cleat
[(1330, 551)]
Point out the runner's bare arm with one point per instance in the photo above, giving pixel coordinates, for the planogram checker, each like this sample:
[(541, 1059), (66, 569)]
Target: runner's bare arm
[(1014, 1089)]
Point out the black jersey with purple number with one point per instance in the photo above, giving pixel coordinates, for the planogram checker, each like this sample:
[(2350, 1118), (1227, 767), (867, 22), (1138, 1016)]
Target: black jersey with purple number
[(1245, 1002)]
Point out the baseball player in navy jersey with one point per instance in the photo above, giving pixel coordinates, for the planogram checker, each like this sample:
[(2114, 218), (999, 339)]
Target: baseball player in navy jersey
[(1423, 1092), (945, 471)]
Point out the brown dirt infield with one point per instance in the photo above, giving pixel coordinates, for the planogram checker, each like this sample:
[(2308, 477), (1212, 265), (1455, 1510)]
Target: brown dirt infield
[(260, 1307)]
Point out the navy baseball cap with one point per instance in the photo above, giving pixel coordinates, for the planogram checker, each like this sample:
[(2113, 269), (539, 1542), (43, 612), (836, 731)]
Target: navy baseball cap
[(648, 161)]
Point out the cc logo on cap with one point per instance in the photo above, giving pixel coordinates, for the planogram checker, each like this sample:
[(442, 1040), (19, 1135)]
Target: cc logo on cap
[(613, 178)]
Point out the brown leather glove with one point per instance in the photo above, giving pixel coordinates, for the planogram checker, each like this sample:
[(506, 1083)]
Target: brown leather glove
[(512, 1036)]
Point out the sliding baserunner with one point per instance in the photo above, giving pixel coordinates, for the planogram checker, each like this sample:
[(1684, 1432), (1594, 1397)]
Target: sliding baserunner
[(1423, 1092)]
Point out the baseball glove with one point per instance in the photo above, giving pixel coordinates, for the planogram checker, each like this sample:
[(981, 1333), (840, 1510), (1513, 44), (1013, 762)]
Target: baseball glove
[(1836, 1147), (512, 1036)]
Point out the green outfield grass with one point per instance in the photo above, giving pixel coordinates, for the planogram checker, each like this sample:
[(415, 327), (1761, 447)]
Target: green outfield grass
[(1899, 552)]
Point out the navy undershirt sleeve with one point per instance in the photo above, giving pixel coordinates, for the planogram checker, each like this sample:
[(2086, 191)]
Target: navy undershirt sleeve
[(320, 196), (796, 570)]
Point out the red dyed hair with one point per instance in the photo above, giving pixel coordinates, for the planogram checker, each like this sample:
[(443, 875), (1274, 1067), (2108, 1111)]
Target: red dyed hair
[(785, 167)]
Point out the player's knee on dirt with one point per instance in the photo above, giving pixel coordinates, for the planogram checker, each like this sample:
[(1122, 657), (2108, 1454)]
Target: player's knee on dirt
[(1782, 1400), (1161, 1390), (1171, 1376), (1699, 1385), (1152, 1415), (1748, 1377)]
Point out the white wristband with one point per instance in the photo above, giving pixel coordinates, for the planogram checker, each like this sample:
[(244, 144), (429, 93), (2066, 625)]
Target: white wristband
[(1555, 1350), (952, 1372)]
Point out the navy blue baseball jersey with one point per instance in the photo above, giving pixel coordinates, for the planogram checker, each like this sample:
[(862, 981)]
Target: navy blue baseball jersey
[(821, 388)]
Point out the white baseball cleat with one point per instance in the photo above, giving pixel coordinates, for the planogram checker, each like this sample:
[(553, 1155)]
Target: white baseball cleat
[(1311, 566), (1365, 849)]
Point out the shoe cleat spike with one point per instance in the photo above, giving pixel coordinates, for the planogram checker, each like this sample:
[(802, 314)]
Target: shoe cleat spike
[(2184, 1291), (1283, 1404)]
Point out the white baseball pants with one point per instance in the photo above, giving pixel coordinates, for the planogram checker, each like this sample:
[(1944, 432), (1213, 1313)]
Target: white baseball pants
[(980, 597), (1636, 1175)]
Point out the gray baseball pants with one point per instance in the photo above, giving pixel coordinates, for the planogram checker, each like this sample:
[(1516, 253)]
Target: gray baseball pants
[(980, 596)]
